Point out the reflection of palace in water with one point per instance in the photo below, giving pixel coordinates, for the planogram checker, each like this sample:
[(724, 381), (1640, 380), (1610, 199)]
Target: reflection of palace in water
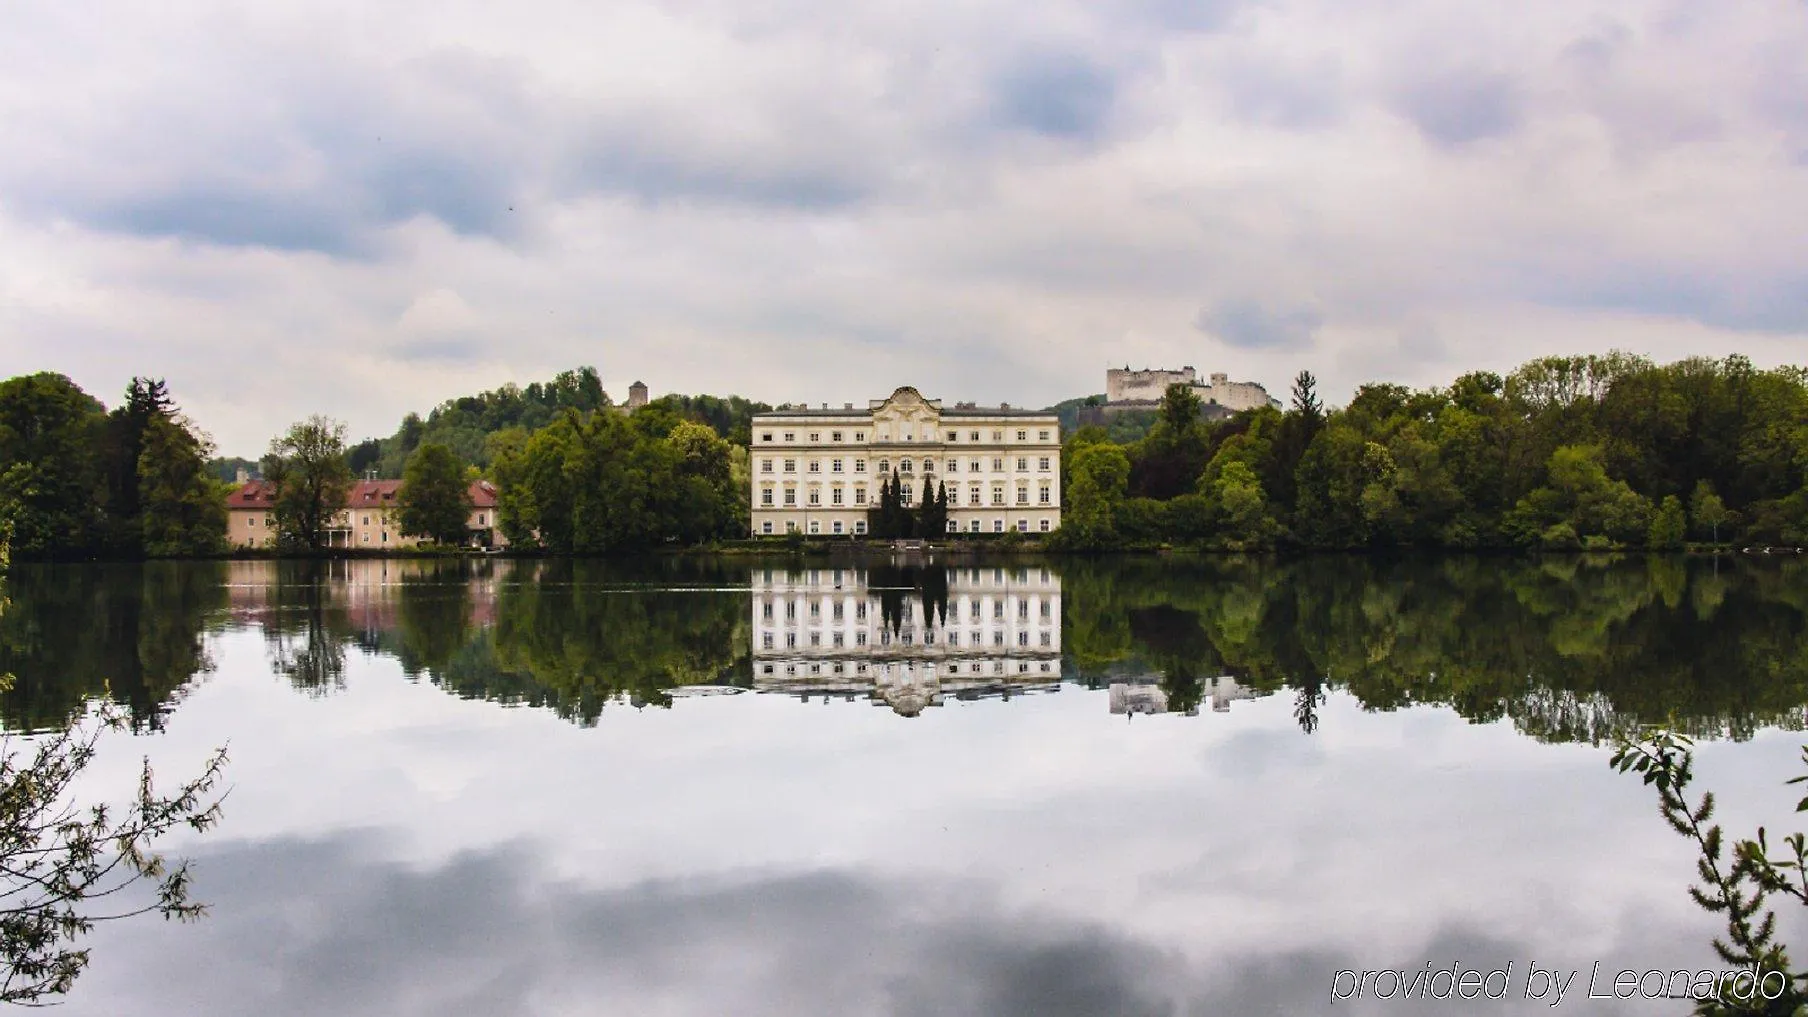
[(906, 637), (1145, 695)]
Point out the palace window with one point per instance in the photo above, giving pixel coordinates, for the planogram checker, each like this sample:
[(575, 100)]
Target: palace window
[(997, 526), (973, 495), (815, 527), (907, 494), (1023, 526), (953, 527), (1042, 495), (790, 436), (1042, 464), (766, 527), (835, 466), (766, 497), (928, 466), (977, 465), (1045, 606), (904, 466), (790, 497), (1041, 435), (972, 435), (859, 435), (835, 496), (860, 527), (815, 466), (860, 496), (859, 466), (998, 496), (1023, 496), (836, 435), (884, 466), (815, 496), (790, 466), (765, 466), (953, 435), (997, 435), (1023, 436), (815, 436), (973, 527), (1023, 463)]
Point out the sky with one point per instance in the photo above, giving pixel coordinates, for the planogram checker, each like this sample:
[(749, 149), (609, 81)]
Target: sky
[(361, 210)]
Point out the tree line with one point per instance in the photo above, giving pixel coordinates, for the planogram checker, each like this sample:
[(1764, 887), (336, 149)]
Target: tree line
[(1563, 453), (79, 479)]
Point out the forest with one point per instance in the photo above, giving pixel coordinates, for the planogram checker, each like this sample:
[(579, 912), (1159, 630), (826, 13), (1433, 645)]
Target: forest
[(1564, 453)]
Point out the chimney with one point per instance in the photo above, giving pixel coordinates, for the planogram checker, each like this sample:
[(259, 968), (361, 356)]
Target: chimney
[(244, 476)]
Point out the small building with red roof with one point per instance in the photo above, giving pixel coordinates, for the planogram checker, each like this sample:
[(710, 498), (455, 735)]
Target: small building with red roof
[(369, 520)]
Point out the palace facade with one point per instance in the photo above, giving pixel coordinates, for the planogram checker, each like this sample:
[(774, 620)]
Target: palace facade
[(817, 470)]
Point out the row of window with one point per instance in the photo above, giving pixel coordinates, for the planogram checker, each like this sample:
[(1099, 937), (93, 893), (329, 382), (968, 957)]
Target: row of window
[(837, 609), (768, 641), (1044, 496), (836, 528), (928, 434), (1043, 465), (813, 577), (998, 667)]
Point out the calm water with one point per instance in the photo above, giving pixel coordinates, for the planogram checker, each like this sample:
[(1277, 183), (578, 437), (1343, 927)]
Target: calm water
[(1155, 786)]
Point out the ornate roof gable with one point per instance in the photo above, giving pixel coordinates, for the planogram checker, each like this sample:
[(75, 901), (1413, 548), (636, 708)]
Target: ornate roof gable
[(908, 406)]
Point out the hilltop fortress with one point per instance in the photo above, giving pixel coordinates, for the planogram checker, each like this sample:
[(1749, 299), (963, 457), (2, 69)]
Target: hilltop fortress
[(1127, 389)]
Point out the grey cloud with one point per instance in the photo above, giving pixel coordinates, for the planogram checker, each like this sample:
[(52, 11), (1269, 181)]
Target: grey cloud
[(1264, 90), (445, 350), (1459, 108), (1056, 93), (330, 926), (1250, 325), (1778, 304)]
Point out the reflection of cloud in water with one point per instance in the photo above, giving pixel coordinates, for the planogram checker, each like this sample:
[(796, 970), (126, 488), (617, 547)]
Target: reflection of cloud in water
[(343, 932)]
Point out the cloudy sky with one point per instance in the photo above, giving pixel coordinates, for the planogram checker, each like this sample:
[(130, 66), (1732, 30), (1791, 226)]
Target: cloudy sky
[(363, 209)]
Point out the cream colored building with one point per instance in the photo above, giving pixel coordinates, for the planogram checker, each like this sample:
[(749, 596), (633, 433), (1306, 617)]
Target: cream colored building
[(817, 471), (369, 521)]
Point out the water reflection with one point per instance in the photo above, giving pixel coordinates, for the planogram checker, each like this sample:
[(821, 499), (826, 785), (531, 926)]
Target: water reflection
[(906, 636), (1565, 649)]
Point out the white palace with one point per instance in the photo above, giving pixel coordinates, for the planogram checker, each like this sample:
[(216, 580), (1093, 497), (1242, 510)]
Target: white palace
[(831, 632), (817, 471)]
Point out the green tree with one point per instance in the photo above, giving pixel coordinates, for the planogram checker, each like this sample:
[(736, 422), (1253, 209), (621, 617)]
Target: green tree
[(1669, 528), (182, 509), (50, 489), (1706, 509), (1180, 409), (1100, 483), (147, 404), (434, 501), (307, 467)]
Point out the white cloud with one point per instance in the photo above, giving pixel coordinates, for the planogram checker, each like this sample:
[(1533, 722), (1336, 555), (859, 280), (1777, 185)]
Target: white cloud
[(991, 201)]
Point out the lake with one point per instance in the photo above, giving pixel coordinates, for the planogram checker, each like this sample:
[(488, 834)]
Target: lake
[(1178, 785)]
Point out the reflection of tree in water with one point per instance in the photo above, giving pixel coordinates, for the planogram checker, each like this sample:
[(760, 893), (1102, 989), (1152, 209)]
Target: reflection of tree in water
[(1567, 648), (308, 628), (136, 633), (895, 585)]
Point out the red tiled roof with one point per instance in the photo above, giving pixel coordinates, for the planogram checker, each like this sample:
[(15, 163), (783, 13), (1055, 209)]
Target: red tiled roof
[(253, 494), (261, 494)]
